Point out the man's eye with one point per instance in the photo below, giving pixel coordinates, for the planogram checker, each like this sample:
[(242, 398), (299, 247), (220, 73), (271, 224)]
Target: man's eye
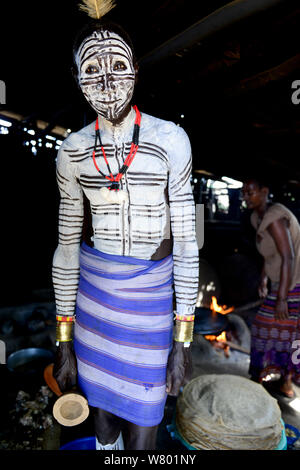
[(91, 69), (120, 66)]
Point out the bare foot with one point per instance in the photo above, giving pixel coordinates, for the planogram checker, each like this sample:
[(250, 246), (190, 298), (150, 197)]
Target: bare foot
[(288, 393), (287, 389)]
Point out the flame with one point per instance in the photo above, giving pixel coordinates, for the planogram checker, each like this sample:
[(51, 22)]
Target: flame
[(218, 308), (220, 338), (220, 342)]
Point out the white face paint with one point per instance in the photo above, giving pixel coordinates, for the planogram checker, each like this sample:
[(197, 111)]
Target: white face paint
[(106, 73)]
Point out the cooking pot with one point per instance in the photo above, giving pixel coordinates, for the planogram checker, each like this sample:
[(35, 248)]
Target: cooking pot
[(29, 360), (208, 322)]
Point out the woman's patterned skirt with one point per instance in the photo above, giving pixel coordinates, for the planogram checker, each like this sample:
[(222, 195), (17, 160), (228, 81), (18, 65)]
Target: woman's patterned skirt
[(275, 345)]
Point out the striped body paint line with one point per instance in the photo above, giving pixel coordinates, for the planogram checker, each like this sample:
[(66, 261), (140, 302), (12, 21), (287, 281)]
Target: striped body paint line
[(106, 73)]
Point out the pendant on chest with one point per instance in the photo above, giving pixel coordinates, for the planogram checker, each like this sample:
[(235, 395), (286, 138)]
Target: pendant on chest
[(114, 196)]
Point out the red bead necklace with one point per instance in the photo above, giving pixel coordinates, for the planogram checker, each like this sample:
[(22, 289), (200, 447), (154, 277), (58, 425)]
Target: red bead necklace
[(133, 149)]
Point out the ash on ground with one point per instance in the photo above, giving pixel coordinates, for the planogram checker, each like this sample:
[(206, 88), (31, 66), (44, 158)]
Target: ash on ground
[(30, 417)]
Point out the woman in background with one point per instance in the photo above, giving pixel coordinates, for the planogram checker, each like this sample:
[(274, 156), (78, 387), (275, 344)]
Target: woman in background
[(276, 326)]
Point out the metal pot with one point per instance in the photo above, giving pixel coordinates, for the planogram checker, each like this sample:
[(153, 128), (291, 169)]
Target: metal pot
[(25, 369), (30, 360)]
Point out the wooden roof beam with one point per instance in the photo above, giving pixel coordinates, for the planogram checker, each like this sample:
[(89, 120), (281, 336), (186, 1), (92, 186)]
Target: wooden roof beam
[(218, 20), (263, 78)]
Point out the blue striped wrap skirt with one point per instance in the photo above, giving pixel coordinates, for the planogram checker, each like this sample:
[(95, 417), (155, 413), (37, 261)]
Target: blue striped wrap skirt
[(123, 333)]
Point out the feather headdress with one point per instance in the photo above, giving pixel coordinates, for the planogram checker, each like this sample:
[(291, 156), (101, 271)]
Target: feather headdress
[(97, 8)]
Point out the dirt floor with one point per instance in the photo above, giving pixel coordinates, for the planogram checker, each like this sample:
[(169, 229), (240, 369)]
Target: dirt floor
[(27, 421)]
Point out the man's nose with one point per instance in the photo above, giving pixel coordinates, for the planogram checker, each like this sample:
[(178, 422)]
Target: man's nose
[(106, 83)]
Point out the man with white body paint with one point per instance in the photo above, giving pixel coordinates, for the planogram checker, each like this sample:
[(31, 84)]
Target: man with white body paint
[(119, 283)]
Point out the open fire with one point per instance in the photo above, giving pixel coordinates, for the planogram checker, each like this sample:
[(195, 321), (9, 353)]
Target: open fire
[(218, 308), (219, 341)]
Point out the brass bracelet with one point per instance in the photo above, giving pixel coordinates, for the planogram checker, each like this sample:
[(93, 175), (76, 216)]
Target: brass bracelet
[(187, 317), (184, 331), (64, 331), (65, 318)]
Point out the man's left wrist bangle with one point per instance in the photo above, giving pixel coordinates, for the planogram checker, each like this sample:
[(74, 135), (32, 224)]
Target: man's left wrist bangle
[(186, 317), (184, 331)]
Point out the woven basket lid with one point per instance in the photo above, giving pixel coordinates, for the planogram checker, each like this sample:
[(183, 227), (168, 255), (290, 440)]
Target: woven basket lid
[(223, 411)]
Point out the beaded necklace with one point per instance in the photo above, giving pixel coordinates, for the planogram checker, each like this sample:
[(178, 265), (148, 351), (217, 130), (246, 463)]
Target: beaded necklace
[(115, 180)]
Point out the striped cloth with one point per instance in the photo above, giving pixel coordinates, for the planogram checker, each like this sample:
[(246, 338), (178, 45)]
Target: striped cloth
[(272, 342), (123, 333)]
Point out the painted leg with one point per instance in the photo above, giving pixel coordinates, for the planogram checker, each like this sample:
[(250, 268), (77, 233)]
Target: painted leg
[(140, 437), (108, 430), (117, 445)]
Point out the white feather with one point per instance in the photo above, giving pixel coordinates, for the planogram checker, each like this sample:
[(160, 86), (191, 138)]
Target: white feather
[(97, 8)]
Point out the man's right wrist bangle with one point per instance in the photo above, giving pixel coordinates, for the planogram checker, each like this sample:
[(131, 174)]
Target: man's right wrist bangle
[(64, 331), (65, 318)]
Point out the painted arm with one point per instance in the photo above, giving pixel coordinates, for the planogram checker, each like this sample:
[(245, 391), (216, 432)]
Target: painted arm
[(281, 235), (65, 267), (185, 254), (183, 226)]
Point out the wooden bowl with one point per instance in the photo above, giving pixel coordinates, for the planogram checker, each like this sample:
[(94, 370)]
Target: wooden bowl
[(50, 380), (71, 409)]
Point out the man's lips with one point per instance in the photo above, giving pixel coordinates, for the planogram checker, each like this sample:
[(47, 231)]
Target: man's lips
[(107, 102)]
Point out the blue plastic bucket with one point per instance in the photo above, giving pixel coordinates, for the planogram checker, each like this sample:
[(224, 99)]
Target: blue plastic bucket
[(283, 442), (291, 439), (85, 443)]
